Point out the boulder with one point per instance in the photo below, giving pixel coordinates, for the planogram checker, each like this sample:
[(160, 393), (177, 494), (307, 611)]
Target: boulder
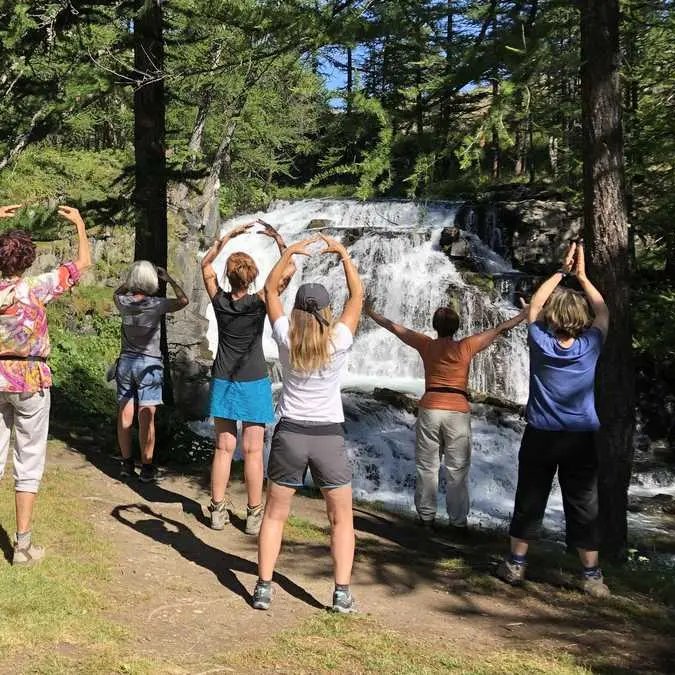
[(319, 224), (396, 399)]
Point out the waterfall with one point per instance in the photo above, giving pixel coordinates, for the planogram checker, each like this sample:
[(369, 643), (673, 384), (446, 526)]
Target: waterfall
[(395, 246)]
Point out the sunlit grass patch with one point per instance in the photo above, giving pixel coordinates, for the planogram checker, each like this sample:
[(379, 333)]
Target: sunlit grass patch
[(59, 601), (302, 530), (329, 643)]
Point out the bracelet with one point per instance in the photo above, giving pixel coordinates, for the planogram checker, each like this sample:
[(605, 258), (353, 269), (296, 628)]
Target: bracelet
[(563, 272)]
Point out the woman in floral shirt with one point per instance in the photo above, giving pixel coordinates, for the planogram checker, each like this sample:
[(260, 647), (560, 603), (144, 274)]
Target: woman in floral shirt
[(25, 377)]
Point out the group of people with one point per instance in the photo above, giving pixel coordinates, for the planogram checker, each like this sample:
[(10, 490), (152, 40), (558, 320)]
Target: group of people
[(566, 333)]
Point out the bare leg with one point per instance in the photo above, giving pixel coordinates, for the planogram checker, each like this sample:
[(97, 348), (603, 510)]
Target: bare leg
[(24, 510), (278, 507), (253, 440), (519, 546), (146, 432), (125, 421), (342, 541), (589, 558), (226, 442)]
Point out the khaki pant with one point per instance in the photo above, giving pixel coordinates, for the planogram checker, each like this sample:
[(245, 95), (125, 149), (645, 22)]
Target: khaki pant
[(443, 434), (28, 414)]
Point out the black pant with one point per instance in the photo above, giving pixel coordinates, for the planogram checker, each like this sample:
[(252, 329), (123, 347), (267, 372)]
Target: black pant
[(574, 456)]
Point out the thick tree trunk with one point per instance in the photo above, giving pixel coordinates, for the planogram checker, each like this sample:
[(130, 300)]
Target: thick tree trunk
[(150, 193), (149, 135), (607, 237)]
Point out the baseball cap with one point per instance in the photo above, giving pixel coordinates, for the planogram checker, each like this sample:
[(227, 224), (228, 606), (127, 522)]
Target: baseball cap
[(312, 298)]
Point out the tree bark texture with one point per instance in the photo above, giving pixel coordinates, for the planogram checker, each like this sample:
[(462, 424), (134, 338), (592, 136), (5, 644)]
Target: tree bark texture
[(149, 135), (606, 233)]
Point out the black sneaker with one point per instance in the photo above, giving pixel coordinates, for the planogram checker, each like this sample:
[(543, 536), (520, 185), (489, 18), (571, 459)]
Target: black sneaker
[(343, 602), (128, 469), (262, 595), (150, 474)]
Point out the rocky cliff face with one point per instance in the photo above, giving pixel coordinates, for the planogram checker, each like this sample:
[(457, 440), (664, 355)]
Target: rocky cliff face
[(531, 233)]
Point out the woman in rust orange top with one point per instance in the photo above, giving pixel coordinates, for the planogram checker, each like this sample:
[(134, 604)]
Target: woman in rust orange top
[(444, 418)]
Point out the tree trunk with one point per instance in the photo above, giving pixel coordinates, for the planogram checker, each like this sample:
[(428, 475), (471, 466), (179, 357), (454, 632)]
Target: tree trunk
[(149, 135), (607, 237), (350, 80), (150, 193), (496, 159)]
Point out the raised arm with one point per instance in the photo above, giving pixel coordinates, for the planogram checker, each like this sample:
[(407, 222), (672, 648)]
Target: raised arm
[(481, 341), (291, 269), (181, 299), (83, 261), (352, 309), (593, 295), (410, 337), (275, 309), (545, 291), (208, 273)]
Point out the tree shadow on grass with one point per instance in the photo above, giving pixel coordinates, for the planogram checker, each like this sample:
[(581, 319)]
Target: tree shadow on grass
[(179, 537), (629, 633)]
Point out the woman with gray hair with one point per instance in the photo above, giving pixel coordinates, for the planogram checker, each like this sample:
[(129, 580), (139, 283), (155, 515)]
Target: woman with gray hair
[(140, 369)]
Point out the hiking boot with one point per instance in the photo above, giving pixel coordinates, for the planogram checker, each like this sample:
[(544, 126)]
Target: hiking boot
[(128, 469), (343, 602), (512, 573), (150, 474), (220, 516), (27, 555), (254, 518), (262, 595), (595, 586)]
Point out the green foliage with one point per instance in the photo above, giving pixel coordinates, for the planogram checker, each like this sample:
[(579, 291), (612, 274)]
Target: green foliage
[(653, 310)]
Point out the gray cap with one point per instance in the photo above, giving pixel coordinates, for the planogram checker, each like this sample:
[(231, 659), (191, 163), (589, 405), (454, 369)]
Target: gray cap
[(312, 298)]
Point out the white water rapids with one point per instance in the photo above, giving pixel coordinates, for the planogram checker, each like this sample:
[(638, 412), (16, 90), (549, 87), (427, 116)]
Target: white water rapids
[(394, 244)]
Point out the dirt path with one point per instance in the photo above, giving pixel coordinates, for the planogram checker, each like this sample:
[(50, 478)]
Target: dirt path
[(183, 589)]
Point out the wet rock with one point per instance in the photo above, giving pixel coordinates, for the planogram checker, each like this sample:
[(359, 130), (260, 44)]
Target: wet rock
[(319, 224), (652, 505), (397, 399)]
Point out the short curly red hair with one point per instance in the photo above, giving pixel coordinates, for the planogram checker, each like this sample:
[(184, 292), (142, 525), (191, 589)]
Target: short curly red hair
[(241, 271), (17, 253)]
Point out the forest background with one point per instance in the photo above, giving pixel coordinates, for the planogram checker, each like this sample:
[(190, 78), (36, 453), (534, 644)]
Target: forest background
[(249, 101)]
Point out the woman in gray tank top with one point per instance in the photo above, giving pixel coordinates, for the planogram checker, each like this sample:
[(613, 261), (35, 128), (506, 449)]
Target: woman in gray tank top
[(140, 370)]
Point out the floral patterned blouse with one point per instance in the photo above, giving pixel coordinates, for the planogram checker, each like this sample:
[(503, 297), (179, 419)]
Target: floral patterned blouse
[(23, 327)]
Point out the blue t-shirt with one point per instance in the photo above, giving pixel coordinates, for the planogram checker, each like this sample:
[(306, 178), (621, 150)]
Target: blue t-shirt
[(562, 380)]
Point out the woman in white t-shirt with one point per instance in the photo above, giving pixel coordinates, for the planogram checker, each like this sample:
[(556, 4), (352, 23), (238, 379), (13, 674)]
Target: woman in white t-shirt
[(313, 352)]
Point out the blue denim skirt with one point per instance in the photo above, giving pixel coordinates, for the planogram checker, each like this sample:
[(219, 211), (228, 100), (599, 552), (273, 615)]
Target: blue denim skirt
[(242, 401)]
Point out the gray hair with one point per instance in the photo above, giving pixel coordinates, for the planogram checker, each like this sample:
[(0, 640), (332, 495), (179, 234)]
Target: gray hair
[(142, 277)]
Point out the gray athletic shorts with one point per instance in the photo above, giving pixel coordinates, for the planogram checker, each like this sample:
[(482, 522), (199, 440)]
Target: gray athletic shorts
[(297, 446)]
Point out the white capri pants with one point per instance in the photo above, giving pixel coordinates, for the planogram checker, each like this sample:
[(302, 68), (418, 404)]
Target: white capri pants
[(28, 414)]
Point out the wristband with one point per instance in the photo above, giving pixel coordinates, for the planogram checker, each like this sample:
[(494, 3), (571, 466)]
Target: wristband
[(563, 272)]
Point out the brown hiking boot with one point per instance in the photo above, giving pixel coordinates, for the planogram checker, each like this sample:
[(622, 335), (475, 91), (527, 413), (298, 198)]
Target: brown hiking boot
[(220, 516), (595, 587), (27, 555), (254, 518), (512, 573)]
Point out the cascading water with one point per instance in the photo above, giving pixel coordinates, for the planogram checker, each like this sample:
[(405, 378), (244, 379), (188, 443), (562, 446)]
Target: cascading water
[(395, 246)]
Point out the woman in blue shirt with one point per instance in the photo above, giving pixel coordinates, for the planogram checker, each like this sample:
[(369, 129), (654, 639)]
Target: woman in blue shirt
[(566, 333)]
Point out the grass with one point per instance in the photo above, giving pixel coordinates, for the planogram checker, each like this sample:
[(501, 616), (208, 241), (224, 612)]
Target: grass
[(59, 603), (330, 643)]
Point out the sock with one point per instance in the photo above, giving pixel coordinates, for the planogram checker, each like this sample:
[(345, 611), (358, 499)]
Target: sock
[(23, 539), (342, 587), (253, 508), (146, 467), (592, 572), (265, 584), (517, 559)]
